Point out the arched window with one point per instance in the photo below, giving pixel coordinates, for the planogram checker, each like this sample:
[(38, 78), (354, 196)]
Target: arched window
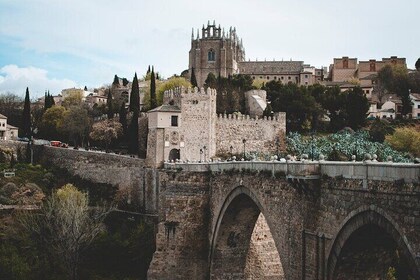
[(211, 55)]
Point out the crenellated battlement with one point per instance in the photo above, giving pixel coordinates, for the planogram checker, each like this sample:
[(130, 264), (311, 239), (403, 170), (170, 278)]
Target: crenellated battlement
[(280, 117), (186, 92)]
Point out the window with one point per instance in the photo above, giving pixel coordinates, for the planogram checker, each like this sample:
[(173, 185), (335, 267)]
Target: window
[(282, 77), (372, 67), (211, 56), (345, 63), (306, 76), (174, 120), (418, 106), (289, 78), (268, 78)]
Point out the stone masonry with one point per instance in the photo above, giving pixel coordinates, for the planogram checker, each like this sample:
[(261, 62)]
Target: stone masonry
[(329, 220)]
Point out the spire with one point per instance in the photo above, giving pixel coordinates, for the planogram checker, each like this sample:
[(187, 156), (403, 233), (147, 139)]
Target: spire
[(208, 23), (214, 22), (192, 34), (198, 34)]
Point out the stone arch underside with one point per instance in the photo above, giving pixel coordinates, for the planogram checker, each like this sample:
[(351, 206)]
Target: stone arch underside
[(367, 245), (243, 246)]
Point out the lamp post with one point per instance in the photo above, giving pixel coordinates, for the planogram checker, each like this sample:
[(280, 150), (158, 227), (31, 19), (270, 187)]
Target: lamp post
[(231, 152), (204, 150), (201, 154), (244, 141)]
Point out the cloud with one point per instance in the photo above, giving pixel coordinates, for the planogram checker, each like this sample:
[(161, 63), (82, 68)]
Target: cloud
[(15, 79)]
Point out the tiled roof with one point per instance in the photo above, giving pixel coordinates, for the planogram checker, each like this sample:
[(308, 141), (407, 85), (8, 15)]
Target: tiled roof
[(166, 108), (270, 67), (3, 116), (416, 96)]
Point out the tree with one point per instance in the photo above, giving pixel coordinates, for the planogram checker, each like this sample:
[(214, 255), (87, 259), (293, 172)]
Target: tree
[(106, 131), (74, 98), (133, 134), (193, 78), (77, 124), (11, 107), (396, 80), (110, 108), (153, 100), (135, 95), (357, 106), (418, 64), (67, 225), (333, 101), (211, 81), (25, 130), (172, 83), (51, 123), (148, 70), (85, 88), (268, 111), (379, 129), (406, 139)]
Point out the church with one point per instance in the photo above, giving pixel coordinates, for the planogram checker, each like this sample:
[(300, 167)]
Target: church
[(222, 53)]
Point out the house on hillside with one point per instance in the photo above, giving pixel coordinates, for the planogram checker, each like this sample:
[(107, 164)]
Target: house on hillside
[(7, 132), (415, 100)]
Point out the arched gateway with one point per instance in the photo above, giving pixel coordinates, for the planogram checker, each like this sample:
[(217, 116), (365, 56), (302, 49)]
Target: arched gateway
[(242, 246)]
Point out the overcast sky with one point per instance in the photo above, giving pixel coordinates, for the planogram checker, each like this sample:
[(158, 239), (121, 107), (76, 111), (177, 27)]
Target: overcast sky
[(55, 44)]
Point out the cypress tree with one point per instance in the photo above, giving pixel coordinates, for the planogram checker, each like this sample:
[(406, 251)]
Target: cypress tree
[(25, 130), (148, 70), (133, 134), (153, 101), (85, 89), (135, 95), (52, 102), (46, 101), (193, 78), (110, 107)]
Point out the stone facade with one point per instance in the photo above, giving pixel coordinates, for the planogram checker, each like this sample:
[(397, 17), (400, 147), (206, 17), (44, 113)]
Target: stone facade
[(223, 54), (186, 127)]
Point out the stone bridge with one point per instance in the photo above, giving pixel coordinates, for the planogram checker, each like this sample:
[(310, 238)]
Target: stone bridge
[(294, 220), (268, 220)]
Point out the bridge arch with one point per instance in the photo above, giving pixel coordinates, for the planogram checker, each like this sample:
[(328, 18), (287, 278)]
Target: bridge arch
[(372, 225), (234, 248)]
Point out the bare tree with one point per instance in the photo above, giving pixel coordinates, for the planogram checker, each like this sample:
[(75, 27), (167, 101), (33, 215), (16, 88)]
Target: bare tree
[(67, 224)]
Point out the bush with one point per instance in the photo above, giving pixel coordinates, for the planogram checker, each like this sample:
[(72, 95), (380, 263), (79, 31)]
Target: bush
[(341, 146), (406, 139)]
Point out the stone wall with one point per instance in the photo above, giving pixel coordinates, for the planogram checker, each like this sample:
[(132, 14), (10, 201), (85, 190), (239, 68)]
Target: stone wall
[(260, 134), (136, 184)]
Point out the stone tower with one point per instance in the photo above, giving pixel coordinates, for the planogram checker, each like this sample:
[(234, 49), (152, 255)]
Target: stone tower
[(216, 52), (184, 127)]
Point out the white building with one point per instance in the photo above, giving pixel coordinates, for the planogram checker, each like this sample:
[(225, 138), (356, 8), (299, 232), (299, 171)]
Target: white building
[(7, 132)]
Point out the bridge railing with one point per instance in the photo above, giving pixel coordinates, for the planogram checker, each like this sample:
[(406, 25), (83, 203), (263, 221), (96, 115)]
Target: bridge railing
[(368, 170)]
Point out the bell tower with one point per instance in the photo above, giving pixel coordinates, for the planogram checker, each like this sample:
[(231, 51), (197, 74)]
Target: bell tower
[(214, 52)]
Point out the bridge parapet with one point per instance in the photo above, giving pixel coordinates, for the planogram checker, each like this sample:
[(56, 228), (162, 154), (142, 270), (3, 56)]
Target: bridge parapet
[(369, 170)]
